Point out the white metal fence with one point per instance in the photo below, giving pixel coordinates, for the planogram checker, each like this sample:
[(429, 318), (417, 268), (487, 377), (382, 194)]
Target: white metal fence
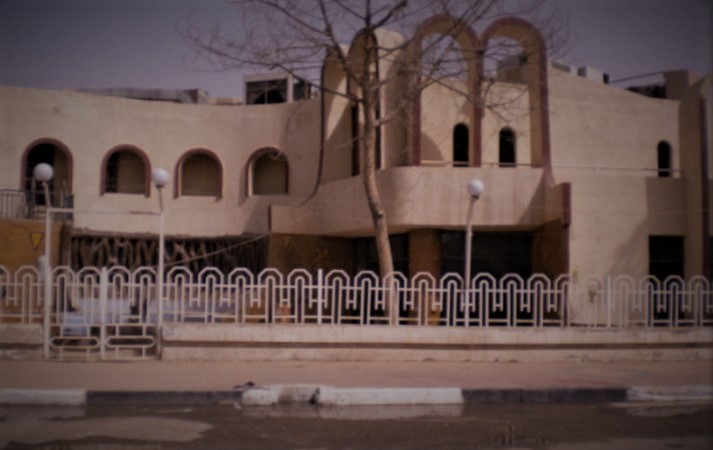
[(115, 310)]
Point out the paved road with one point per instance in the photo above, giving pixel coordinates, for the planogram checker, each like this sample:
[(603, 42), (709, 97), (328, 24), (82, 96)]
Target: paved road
[(548, 426)]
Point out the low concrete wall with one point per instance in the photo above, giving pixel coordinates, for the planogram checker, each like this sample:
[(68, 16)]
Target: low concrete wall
[(311, 342), (20, 341)]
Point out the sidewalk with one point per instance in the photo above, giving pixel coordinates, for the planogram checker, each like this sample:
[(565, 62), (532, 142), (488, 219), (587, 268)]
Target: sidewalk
[(477, 381)]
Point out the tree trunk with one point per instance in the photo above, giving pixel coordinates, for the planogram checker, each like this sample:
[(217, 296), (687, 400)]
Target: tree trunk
[(378, 216), (381, 232)]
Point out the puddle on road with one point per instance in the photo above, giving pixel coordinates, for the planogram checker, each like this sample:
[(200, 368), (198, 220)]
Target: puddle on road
[(32, 430)]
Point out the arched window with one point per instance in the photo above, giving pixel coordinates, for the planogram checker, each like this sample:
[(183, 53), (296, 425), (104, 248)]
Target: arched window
[(507, 148), (199, 173), (57, 155), (460, 145), (268, 173), (125, 170), (664, 159)]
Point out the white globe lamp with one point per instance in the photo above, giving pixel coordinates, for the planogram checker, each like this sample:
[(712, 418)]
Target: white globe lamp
[(159, 177), (43, 172)]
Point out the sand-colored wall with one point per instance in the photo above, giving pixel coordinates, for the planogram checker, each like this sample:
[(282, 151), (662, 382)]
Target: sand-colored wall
[(603, 144), (696, 121), (91, 125), (421, 197)]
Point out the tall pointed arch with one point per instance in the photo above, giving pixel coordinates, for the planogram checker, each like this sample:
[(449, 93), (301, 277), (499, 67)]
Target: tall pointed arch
[(467, 39), (533, 43), (357, 57)]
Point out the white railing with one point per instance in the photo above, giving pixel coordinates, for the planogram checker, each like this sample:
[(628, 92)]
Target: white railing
[(14, 205), (120, 300)]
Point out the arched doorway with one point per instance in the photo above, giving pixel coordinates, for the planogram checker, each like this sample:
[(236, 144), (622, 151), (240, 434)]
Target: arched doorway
[(56, 155)]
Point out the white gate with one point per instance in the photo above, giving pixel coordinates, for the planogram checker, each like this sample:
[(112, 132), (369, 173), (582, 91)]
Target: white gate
[(94, 314)]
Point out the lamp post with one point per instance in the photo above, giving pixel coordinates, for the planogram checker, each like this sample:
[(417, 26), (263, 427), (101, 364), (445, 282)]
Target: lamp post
[(475, 190), (160, 179), (43, 173)]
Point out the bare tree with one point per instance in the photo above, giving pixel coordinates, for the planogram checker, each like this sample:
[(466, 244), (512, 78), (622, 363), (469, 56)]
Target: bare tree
[(298, 36)]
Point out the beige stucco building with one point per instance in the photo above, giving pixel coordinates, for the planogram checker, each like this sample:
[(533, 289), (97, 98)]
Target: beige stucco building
[(580, 176)]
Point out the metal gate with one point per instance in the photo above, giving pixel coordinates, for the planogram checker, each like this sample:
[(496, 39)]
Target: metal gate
[(102, 314)]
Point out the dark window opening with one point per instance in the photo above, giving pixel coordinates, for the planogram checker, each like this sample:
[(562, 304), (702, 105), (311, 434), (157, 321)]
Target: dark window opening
[(666, 256), (664, 159), (270, 97), (507, 156), (496, 253), (266, 92), (301, 90), (201, 175), (367, 258), (460, 145), (125, 173), (653, 90)]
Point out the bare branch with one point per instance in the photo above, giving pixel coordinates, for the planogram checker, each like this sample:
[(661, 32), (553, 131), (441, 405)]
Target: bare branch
[(386, 57)]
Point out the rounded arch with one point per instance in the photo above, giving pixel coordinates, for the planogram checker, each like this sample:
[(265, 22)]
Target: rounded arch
[(664, 159), (333, 120), (467, 39), (125, 169), (55, 153), (267, 173), (534, 46), (198, 172)]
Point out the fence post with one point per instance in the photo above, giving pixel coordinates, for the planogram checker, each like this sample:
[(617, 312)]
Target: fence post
[(466, 300), (103, 293), (608, 302), (320, 294), (47, 285)]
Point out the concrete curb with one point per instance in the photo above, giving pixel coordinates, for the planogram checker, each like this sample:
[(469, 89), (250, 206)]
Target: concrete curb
[(41, 397), (330, 396), (670, 393), (335, 396), (554, 395)]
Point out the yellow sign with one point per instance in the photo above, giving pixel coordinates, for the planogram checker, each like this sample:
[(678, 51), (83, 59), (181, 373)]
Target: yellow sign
[(36, 239)]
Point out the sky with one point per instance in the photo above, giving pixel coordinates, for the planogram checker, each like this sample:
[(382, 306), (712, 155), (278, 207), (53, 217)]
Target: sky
[(58, 44)]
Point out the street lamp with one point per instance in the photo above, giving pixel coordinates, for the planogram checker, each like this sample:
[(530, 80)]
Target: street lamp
[(43, 173), (160, 179), (475, 190)]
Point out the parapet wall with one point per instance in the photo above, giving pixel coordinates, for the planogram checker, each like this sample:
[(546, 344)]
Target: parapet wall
[(217, 342)]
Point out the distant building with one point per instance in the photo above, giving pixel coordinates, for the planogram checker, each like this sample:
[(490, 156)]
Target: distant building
[(581, 177)]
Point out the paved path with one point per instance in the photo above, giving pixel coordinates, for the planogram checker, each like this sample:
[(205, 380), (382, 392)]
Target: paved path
[(205, 376)]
